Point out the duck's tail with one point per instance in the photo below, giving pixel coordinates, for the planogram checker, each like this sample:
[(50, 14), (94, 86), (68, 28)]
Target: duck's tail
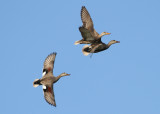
[(36, 83), (84, 50), (77, 42)]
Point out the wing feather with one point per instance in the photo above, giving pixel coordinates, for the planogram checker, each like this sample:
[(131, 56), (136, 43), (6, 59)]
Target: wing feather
[(49, 95), (86, 34), (86, 19), (88, 23), (49, 63)]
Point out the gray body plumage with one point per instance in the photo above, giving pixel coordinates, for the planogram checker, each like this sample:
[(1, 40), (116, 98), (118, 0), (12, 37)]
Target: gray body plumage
[(89, 34), (97, 47), (48, 79)]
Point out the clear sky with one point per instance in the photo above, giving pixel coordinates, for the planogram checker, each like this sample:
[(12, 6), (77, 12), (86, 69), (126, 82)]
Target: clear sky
[(125, 79)]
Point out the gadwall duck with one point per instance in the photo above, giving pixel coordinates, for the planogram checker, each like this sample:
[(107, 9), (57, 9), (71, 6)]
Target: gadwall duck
[(87, 30), (48, 79), (97, 47)]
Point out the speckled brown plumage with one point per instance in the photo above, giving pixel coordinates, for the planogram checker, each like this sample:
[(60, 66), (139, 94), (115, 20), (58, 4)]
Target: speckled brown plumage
[(48, 79), (89, 34)]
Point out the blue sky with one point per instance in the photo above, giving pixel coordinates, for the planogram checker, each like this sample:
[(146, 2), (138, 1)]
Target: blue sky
[(125, 79)]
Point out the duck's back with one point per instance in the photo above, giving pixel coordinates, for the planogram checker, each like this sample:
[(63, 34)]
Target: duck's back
[(99, 47), (48, 79)]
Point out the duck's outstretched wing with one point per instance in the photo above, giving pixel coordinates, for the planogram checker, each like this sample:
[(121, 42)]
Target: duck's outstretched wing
[(49, 63), (87, 22), (86, 19), (49, 94), (86, 34)]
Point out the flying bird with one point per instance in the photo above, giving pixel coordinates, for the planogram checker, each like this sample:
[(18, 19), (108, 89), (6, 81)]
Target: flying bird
[(97, 47), (48, 79), (87, 30)]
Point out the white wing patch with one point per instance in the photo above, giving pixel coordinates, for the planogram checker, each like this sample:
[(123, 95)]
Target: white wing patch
[(44, 73), (44, 87)]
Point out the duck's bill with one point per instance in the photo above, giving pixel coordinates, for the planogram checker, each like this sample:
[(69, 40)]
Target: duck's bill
[(117, 41), (68, 74), (108, 33)]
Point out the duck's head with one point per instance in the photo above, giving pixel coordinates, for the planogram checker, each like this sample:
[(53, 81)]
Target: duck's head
[(64, 74), (113, 42), (105, 33)]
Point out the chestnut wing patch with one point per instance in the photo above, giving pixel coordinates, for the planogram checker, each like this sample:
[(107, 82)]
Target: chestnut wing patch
[(49, 95)]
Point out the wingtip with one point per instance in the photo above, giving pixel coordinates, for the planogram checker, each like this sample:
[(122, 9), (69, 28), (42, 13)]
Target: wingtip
[(54, 53), (52, 104), (55, 105), (83, 7)]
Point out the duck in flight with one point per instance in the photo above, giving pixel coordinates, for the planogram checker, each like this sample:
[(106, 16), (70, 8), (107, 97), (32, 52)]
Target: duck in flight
[(97, 47), (48, 79), (87, 30)]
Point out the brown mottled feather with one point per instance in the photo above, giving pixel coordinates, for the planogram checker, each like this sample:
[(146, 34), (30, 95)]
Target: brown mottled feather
[(86, 19), (49, 95), (87, 36), (48, 79), (88, 23), (49, 62)]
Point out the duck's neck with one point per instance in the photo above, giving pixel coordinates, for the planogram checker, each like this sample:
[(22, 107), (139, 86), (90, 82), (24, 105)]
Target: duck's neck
[(108, 45), (57, 78), (100, 35)]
